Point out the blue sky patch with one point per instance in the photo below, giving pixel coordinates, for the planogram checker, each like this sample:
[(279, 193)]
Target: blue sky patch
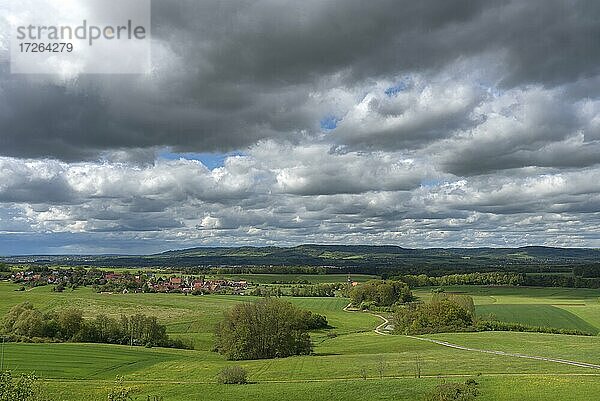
[(330, 122), (210, 160), (401, 86), (430, 183)]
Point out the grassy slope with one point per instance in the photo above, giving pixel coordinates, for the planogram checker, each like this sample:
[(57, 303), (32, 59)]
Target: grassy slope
[(560, 307), (579, 348), (338, 362), (85, 371), (186, 316), (312, 278), (541, 388), (536, 315)]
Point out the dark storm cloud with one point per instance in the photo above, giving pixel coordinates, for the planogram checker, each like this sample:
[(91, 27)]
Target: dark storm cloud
[(278, 42), (230, 73)]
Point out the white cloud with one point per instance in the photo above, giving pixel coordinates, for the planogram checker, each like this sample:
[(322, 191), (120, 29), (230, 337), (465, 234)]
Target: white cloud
[(452, 130)]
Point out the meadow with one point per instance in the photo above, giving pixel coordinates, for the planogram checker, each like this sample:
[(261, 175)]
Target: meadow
[(355, 364), (567, 308), (287, 278)]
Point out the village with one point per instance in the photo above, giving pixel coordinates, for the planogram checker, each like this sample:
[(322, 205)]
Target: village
[(112, 282)]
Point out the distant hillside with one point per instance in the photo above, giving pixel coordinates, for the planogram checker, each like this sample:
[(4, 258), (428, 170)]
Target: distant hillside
[(348, 257)]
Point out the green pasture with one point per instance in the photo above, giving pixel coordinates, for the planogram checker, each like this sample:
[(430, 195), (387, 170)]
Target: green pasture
[(535, 315), (187, 316), (499, 388), (311, 278), (567, 308), (78, 372), (578, 348), (85, 371)]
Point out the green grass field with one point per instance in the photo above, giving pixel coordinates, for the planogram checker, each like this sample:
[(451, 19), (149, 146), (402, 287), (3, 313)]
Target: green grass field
[(567, 308), (311, 278), (86, 371), (536, 315)]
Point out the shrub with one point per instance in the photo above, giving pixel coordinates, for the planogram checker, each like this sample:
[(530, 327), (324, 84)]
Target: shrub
[(233, 375), (315, 321), (119, 392), (59, 287), (438, 316), (454, 392), (70, 322), (366, 305), (464, 301), (22, 388)]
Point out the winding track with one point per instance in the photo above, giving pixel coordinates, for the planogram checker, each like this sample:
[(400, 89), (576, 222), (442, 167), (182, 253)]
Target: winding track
[(514, 355), (379, 330)]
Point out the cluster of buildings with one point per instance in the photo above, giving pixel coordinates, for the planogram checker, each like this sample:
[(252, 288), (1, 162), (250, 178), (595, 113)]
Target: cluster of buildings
[(129, 282), (192, 284), (34, 278)]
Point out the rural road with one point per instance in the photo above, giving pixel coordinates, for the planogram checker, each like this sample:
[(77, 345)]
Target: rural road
[(379, 330)]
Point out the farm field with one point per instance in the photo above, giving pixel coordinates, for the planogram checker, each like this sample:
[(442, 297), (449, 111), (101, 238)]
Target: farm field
[(536, 315), (566, 308), (261, 278), (83, 371), (190, 317), (311, 278), (579, 348), (87, 371)]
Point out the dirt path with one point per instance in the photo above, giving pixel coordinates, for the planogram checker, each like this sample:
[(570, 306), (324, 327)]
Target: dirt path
[(379, 330), (514, 355)]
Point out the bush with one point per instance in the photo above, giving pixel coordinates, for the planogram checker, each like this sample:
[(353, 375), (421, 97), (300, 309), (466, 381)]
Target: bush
[(70, 323), (59, 287), (438, 316), (233, 375), (22, 388), (119, 392), (315, 321), (454, 392), (464, 301), (366, 305)]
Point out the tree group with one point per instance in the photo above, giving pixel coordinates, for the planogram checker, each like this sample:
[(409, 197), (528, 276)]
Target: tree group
[(380, 293), (269, 328), (24, 322), (442, 314)]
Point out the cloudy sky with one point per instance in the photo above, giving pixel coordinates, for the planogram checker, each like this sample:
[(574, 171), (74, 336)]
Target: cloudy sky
[(414, 123)]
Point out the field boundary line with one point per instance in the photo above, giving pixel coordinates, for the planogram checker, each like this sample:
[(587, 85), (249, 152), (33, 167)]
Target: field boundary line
[(503, 353)]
